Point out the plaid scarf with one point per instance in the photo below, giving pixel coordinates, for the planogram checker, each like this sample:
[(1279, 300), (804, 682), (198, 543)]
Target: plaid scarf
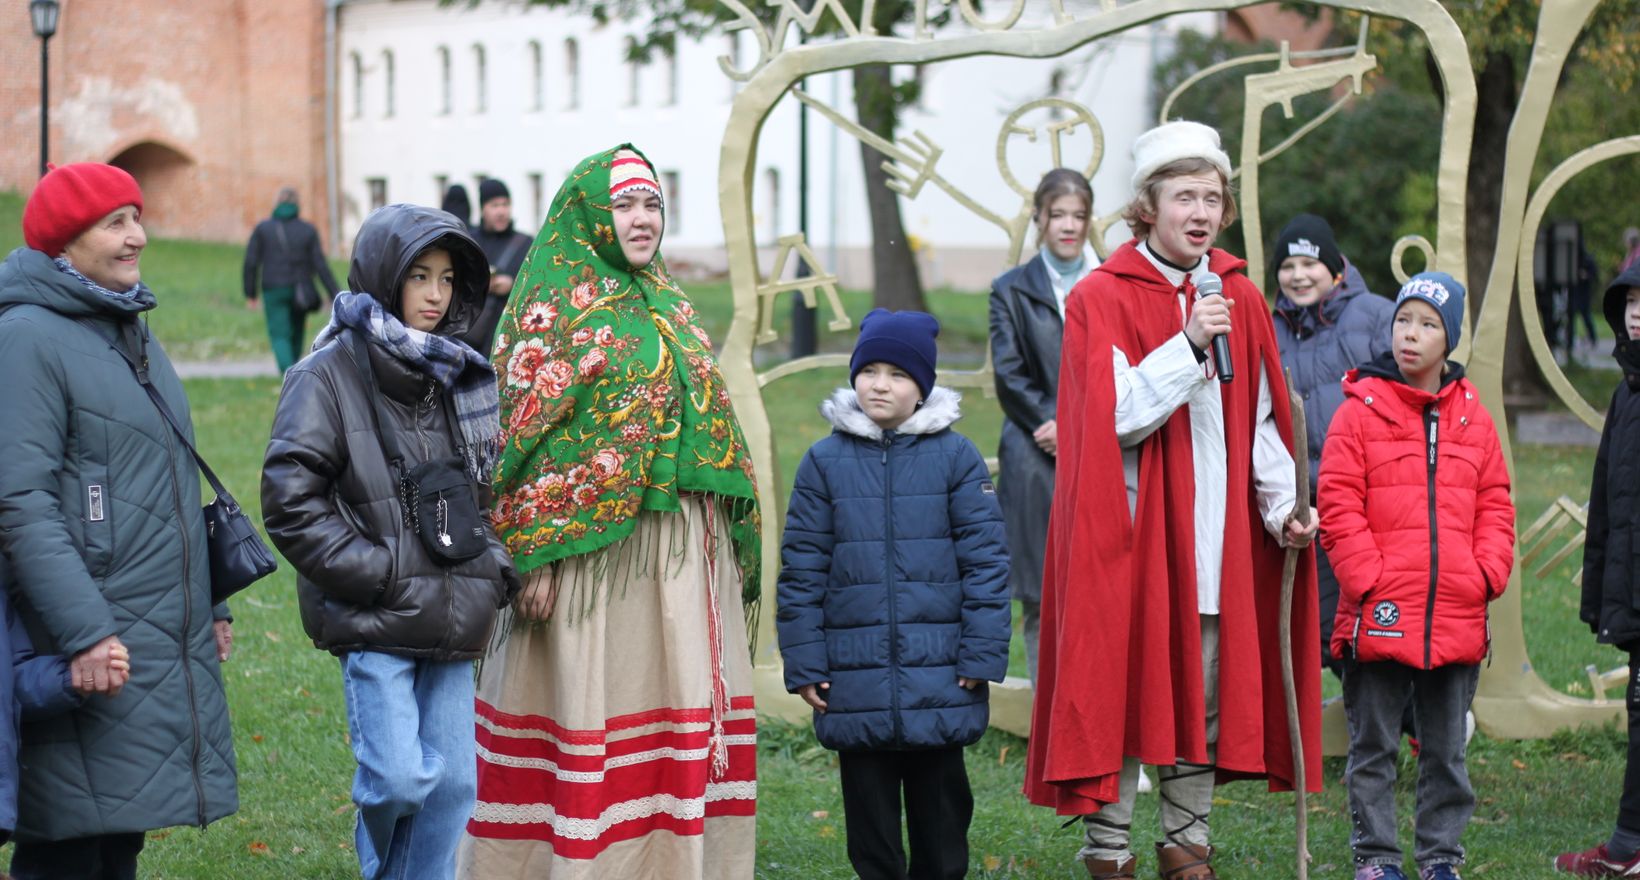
[(451, 363), (67, 268)]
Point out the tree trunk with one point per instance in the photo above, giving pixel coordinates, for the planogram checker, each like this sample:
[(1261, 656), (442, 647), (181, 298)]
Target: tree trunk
[(895, 281), (1496, 95)]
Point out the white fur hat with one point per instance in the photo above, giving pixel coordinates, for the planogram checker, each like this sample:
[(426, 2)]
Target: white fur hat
[(1173, 141)]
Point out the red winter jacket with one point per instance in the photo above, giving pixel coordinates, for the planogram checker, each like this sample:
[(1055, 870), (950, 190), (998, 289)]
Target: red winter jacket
[(1416, 519)]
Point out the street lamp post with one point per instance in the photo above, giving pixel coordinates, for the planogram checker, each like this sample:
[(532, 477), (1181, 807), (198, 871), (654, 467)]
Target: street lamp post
[(43, 14)]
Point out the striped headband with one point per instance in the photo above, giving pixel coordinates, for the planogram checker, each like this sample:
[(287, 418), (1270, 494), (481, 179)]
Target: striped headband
[(629, 173)]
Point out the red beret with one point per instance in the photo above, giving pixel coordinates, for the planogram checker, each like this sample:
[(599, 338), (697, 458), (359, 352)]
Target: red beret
[(70, 199)]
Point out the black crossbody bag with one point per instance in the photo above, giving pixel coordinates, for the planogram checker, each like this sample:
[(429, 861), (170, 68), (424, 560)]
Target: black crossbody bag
[(436, 497), (238, 556)]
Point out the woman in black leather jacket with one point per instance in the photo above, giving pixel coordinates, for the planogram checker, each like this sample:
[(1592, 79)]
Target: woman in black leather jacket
[(404, 622), (1027, 322)]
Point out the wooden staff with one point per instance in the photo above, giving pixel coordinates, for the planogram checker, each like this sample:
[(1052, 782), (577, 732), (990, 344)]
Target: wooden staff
[(1289, 573)]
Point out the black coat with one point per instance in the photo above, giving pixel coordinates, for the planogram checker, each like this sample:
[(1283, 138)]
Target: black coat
[(329, 496), (505, 252), (1026, 331), (285, 261), (1611, 575)]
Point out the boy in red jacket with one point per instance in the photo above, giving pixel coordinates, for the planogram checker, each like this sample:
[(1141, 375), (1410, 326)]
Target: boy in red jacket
[(1417, 520)]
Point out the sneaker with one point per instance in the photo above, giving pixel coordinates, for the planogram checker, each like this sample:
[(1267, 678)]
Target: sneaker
[(1596, 862), (1145, 784), (1468, 726), (1379, 872), (1442, 871)]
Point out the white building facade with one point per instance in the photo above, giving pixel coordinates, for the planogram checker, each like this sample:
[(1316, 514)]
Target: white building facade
[(430, 95)]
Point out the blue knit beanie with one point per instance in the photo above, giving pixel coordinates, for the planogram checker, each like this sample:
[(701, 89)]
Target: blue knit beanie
[(1444, 294), (904, 339)]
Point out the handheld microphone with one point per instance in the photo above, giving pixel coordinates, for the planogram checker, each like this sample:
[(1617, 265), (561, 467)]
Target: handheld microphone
[(1208, 285)]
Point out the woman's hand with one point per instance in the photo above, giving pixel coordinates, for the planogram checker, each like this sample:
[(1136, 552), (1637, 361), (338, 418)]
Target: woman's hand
[(539, 595), (1047, 437), (102, 668), (967, 684), (223, 630), (810, 695)]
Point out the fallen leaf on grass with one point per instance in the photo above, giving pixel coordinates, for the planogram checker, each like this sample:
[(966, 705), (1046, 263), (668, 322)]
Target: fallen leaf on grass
[(341, 809), (1577, 757), (827, 831), (1002, 755), (256, 737), (821, 814), (258, 848), (992, 863), (1518, 763), (296, 850), (273, 636)]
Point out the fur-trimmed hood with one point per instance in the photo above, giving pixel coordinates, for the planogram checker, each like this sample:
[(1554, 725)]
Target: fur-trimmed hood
[(940, 411)]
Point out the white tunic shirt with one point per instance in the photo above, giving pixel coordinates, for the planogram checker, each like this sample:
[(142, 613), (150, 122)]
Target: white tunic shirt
[(1149, 392)]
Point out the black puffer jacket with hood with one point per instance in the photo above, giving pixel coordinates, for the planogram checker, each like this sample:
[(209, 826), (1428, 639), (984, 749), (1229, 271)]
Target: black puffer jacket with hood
[(329, 496), (1611, 554)]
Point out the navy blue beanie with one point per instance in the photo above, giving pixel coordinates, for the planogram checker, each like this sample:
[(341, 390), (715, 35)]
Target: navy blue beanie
[(1444, 293), (904, 339)]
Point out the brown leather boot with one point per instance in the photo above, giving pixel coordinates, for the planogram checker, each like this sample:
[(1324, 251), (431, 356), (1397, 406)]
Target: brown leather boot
[(1110, 869), (1184, 862)]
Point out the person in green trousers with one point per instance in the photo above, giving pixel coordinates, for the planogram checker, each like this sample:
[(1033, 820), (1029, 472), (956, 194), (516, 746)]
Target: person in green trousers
[(284, 251)]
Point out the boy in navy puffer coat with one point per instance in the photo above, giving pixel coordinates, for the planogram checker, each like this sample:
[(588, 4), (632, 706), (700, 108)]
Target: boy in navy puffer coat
[(1416, 516), (893, 600)]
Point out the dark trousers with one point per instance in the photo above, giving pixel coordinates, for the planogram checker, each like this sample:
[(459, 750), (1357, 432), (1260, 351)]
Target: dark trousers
[(938, 808), (1628, 809), (285, 324), (1375, 698), (106, 857)]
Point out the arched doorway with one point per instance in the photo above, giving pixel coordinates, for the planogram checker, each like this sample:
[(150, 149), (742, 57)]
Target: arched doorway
[(169, 184)]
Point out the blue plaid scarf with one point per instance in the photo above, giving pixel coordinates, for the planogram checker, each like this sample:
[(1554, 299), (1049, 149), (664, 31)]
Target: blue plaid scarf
[(456, 367), (67, 268)]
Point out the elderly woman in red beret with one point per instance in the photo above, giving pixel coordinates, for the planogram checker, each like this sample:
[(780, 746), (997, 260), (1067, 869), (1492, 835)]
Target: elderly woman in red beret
[(101, 526)]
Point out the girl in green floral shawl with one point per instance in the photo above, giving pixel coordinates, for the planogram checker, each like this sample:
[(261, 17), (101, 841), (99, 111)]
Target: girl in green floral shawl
[(616, 730)]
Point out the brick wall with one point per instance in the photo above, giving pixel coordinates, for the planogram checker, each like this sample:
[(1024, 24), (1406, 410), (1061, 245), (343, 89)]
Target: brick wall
[(211, 104)]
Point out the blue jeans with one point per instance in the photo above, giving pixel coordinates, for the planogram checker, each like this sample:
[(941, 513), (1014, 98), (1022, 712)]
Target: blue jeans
[(412, 727)]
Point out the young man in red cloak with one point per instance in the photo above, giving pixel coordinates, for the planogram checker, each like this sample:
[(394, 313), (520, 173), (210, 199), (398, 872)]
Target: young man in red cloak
[(1148, 617)]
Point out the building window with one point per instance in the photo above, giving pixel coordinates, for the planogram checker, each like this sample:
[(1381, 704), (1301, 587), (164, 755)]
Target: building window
[(444, 80), (480, 97), (538, 75), (378, 191), (538, 194), (770, 219), (671, 94), (632, 71), (358, 84), (572, 74), (387, 90), (441, 185), (671, 202)]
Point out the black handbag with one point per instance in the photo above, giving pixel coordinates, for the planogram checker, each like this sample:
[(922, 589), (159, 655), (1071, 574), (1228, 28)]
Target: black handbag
[(436, 496), (238, 556), (305, 297)]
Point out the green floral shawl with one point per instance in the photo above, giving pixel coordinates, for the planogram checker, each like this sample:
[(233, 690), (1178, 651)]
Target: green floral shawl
[(611, 400)]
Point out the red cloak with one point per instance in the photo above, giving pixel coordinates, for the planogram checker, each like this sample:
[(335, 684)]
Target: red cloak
[(1119, 669)]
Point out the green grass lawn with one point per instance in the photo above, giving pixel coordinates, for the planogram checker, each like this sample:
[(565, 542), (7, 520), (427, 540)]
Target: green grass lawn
[(290, 726)]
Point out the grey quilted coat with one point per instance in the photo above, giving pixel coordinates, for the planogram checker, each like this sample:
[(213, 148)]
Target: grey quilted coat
[(100, 518)]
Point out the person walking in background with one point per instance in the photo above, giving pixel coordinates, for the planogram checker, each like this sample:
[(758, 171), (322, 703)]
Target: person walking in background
[(281, 259), (100, 521), (1027, 323), (389, 396), (1327, 323), (902, 550), (1158, 613), (1611, 570), (505, 248), (458, 205), (617, 730), (1631, 248), (1412, 623)]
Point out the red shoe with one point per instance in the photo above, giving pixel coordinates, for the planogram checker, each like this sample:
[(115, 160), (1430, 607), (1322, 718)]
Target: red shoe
[(1596, 863)]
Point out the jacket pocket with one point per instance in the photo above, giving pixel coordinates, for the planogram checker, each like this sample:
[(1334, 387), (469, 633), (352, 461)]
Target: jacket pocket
[(97, 520)]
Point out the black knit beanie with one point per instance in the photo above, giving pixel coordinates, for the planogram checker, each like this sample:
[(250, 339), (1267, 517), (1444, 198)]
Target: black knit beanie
[(1307, 235)]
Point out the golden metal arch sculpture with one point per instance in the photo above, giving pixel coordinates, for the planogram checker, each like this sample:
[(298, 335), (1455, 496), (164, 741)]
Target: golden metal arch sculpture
[(1512, 700)]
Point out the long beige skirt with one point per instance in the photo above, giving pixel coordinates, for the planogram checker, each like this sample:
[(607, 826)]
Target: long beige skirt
[(617, 740)]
